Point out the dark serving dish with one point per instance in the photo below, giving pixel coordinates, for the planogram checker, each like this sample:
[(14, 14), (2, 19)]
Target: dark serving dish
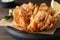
[(30, 36)]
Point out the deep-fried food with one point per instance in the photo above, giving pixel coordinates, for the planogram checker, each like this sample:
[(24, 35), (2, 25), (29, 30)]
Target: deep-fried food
[(37, 19), (43, 6), (34, 12), (34, 18)]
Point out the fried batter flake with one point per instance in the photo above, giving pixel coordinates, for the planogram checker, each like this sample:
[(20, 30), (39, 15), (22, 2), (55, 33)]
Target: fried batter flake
[(34, 18)]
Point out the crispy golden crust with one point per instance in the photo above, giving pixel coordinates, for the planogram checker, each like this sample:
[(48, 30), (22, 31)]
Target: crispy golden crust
[(34, 18)]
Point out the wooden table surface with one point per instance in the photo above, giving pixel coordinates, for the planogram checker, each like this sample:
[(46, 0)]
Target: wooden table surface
[(3, 34), (3, 11)]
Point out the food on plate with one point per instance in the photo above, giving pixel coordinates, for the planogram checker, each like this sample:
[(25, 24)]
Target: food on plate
[(34, 18)]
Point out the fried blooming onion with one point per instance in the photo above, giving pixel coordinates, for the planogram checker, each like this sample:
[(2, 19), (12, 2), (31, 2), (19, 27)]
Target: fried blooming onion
[(34, 18)]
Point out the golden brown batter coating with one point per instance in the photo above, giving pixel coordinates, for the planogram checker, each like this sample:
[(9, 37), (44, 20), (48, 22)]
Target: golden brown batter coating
[(34, 18)]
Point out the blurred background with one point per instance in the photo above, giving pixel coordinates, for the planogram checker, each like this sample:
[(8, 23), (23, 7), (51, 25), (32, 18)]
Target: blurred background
[(4, 8)]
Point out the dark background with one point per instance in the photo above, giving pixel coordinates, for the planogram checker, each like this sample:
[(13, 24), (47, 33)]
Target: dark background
[(4, 11), (34, 1)]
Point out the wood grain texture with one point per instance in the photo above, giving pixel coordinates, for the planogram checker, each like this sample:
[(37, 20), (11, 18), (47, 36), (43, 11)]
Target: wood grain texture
[(3, 34), (4, 11)]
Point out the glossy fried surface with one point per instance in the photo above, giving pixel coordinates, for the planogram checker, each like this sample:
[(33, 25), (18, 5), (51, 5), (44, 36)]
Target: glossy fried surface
[(34, 18)]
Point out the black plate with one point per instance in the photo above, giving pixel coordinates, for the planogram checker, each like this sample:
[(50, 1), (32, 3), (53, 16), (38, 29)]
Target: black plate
[(30, 36)]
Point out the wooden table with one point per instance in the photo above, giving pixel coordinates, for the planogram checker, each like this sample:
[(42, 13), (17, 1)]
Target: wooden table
[(3, 11), (3, 34)]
